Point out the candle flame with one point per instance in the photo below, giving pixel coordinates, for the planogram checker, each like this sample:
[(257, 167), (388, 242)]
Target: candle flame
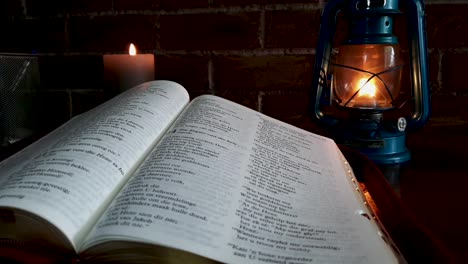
[(132, 50), (367, 88)]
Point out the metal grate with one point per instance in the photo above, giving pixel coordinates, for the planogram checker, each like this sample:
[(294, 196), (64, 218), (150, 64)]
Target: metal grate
[(19, 77)]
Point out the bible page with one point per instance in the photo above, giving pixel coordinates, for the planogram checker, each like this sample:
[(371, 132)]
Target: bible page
[(233, 185), (68, 176)]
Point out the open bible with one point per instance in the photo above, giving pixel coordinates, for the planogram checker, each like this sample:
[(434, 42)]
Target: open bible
[(151, 177)]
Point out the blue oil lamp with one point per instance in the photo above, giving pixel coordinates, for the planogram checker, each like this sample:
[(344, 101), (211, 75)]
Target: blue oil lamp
[(357, 84)]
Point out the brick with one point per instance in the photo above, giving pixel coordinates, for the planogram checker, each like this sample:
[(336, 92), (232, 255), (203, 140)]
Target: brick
[(52, 108), (112, 33), (285, 104), (189, 71), (89, 6), (434, 71), (447, 25), (171, 5), (71, 72), (83, 101), (45, 7), (11, 8), (33, 35), (449, 109), (292, 29), (125, 5), (263, 72), (209, 31), (453, 72), (218, 3)]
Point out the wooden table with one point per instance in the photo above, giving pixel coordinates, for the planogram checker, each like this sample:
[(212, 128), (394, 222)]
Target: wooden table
[(415, 241), (434, 185)]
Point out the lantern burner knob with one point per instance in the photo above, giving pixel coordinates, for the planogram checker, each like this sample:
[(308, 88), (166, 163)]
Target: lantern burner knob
[(401, 124)]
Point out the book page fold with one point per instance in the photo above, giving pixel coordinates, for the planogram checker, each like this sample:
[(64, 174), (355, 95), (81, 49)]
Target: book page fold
[(70, 175), (234, 185)]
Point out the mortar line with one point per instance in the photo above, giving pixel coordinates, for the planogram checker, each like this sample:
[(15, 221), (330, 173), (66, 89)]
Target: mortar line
[(211, 84), (262, 29)]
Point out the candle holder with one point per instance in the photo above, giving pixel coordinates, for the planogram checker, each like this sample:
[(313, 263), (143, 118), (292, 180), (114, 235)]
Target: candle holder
[(357, 82)]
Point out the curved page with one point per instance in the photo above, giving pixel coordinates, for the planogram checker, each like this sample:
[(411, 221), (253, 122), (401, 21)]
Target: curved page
[(236, 186), (71, 174)]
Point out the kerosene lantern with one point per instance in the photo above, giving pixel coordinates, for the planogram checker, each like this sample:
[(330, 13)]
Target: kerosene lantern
[(358, 83)]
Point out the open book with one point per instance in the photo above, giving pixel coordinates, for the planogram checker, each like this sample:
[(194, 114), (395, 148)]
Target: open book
[(149, 177)]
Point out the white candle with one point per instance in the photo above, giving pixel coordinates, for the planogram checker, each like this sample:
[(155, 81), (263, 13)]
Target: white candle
[(124, 71)]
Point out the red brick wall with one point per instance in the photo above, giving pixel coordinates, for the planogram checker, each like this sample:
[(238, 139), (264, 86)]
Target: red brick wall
[(256, 52)]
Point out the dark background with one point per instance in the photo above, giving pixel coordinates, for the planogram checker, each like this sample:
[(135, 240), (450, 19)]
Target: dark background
[(259, 53)]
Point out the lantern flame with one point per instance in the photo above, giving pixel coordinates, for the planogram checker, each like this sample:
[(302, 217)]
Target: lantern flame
[(367, 88), (132, 50)]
